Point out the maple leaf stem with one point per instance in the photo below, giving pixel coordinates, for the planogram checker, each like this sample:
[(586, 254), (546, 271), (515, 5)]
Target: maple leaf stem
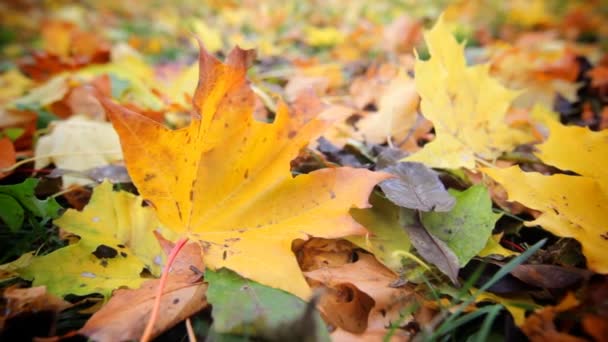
[(147, 335)]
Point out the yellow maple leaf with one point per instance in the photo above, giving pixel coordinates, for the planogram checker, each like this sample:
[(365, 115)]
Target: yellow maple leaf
[(116, 243), (571, 206), (465, 104), (225, 179)]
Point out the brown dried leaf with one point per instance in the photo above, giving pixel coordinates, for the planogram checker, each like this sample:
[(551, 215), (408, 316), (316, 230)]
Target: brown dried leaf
[(125, 316)]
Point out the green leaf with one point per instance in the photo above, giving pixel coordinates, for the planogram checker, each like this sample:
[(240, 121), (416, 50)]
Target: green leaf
[(24, 193), (116, 244), (12, 213), (387, 239), (13, 133), (242, 306), (467, 227)]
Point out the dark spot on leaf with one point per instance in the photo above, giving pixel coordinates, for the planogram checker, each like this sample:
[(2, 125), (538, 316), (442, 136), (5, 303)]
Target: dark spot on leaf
[(291, 134), (555, 211), (176, 300), (246, 175), (191, 195), (124, 255), (179, 211), (83, 285), (332, 194), (104, 263), (604, 236), (104, 251), (383, 312), (120, 245), (149, 176), (244, 288), (224, 255), (226, 125)]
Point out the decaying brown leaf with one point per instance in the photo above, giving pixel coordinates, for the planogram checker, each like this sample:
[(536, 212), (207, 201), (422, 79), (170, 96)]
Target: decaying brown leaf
[(124, 317)]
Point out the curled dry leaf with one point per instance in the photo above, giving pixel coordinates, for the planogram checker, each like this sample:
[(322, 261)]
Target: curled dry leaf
[(124, 317), (370, 296), (549, 276), (31, 300), (234, 191)]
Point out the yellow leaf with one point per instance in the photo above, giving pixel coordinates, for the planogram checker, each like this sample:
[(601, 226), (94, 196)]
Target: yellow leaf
[(132, 68), (465, 104), (323, 36), (116, 243), (210, 37), (78, 144), (516, 306), (179, 90), (571, 206), (51, 91), (12, 85), (577, 149), (493, 248), (225, 180)]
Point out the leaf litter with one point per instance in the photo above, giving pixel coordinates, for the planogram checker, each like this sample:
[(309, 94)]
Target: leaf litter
[(292, 235)]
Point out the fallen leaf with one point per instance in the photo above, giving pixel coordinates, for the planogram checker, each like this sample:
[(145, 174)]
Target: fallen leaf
[(322, 36), (234, 191), (571, 206), (416, 187), (396, 113), (45, 94), (10, 270), (516, 305), (387, 239), (317, 252), (13, 84), (78, 144), (433, 249), (466, 106), (372, 279), (21, 302), (124, 317), (18, 301), (494, 249), (540, 326), (549, 276), (577, 149), (23, 120), (468, 226), (116, 244), (244, 307), (19, 199), (8, 156)]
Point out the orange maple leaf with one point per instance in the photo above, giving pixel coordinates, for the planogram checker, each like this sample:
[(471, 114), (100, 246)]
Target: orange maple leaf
[(225, 179)]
